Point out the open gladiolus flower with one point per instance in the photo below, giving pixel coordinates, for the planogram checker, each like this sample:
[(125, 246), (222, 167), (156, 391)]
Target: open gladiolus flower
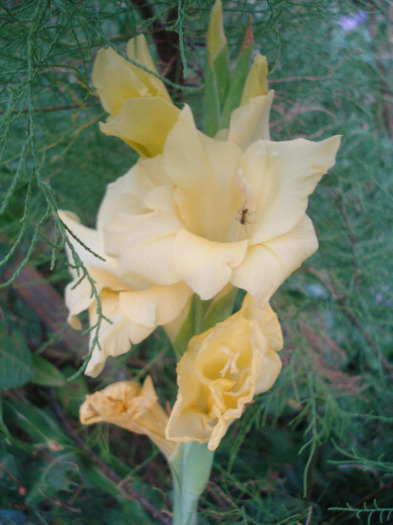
[(221, 372), (129, 406), (219, 214), (141, 111), (199, 216), (132, 305)]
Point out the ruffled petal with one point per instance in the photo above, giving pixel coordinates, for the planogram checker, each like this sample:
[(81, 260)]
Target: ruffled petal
[(269, 372), (268, 264), (155, 306), (144, 243), (103, 269), (188, 420), (282, 175), (114, 337), (129, 406), (267, 319), (127, 194), (206, 266), (79, 295), (220, 373), (133, 316)]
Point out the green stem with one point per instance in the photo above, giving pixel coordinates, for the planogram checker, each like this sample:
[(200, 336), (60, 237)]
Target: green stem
[(190, 468), (199, 314)]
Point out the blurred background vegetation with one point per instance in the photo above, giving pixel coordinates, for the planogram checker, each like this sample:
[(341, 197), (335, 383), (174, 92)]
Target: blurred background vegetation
[(318, 447)]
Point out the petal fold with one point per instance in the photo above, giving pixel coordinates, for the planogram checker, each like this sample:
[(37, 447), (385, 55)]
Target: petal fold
[(206, 266), (268, 264), (143, 123)]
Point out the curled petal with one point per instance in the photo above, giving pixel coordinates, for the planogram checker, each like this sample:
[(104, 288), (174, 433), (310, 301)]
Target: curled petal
[(79, 295), (88, 245), (141, 111), (268, 264), (115, 80), (124, 195), (132, 306), (116, 335), (129, 406), (206, 266), (267, 320), (157, 305), (133, 315)]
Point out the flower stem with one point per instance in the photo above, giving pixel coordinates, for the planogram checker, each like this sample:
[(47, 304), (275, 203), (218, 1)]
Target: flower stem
[(190, 468)]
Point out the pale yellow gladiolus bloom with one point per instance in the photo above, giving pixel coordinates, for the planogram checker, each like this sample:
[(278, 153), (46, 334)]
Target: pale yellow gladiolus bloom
[(129, 406), (135, 305), (141, 111), (219, 214), (222, 370)]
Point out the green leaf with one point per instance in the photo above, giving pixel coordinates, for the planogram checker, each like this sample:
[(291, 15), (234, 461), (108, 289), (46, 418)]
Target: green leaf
[(239, 76), (212, 109), (219, 309), (217, 50), (16, 366), (222, 73), (45, 373), (56, 476), (3, 427), (186, 331), (41, 427)]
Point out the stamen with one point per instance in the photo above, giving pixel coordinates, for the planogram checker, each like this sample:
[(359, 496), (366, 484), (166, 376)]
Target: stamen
[(231, 363)]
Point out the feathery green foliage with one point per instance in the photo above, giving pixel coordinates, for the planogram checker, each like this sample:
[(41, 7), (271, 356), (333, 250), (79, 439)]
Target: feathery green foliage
[(317, 448)]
